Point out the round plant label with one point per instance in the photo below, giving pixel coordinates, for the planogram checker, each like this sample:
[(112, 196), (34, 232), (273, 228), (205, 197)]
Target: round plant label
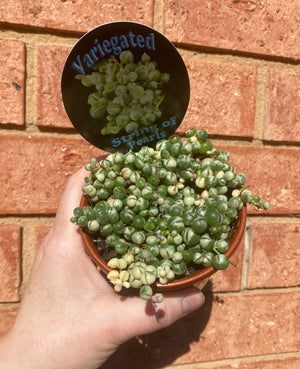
[(124, 86)]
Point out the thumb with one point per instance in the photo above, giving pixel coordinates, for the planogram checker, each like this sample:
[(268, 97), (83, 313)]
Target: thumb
[(143, 317)]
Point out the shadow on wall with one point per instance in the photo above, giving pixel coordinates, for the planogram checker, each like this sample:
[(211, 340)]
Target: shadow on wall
[(162, 348)]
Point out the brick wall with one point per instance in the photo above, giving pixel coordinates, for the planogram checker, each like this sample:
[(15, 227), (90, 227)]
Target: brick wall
[(243, 61)]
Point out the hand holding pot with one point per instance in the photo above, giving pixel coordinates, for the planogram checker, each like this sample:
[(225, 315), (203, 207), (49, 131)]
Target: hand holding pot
[(69, 316)]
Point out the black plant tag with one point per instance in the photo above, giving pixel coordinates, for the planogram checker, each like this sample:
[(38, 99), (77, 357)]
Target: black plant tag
[(124, 86)]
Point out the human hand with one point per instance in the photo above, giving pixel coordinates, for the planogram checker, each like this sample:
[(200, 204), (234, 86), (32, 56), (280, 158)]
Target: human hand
[(70, 317)]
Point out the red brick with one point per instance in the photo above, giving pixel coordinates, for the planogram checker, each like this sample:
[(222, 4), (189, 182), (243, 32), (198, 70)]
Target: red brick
[(35, 170), (230, 278), (259, 27), (228, 327), (39, 235), (275, 258), (74, 15), (50, 109), (7, 318), (289, 363), (283, 107), (10, 262), (12, 54), (272, 173), (222, 98), (247, 325), (213, 367)]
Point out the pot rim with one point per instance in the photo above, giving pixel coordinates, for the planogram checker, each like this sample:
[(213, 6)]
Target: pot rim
[(178, 283)]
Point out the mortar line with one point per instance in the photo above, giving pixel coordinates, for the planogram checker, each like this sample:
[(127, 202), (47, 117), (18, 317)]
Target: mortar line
[(46, 219), (158, 15), (235, 362), (32, 30), (27, 255), (31, 88), (258, 291), (235, 58), (246, 256), (35, 131), (260, 101), (237, 53), (9, 305), (35, 37)]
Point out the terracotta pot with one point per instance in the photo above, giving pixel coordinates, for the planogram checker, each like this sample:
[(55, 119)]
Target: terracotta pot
[(199, 279)]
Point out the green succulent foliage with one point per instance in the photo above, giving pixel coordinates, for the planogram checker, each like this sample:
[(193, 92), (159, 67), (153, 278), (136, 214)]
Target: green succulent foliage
[(127, 94), (164, 209)]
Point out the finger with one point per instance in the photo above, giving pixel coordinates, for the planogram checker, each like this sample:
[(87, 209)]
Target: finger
[(72, 194), (144, 317), (70, 198)]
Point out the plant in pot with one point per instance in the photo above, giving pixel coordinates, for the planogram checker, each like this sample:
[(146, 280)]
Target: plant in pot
[(166, 217)]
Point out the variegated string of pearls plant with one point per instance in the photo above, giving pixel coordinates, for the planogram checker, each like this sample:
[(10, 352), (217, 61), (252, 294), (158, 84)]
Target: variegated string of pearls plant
[(163, 209)]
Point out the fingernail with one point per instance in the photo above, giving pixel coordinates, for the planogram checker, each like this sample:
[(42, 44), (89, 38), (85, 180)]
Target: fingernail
[(192, 302)]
